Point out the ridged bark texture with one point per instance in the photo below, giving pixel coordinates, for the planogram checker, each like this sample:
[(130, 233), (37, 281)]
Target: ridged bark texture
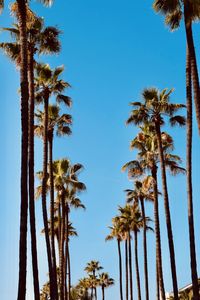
[(120, 269), (24, 151), (44, 187), (193, 263), (145, 250), (61, 254), (52, 231), (137, 266), (157, 233), (32, 175), (193, 61), (167, 212), (126, 266), (130, 266)]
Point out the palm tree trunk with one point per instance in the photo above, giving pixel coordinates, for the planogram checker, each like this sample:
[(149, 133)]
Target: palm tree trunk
[(103, 292), (24, 151), (167, 212), (67, 253), (193, 263), (61, 253), (126, 263), (157, 233), (157, 281), (31, 175), (193, 62), (44, 185), (137, 266), (120, 269), (145, 249), (130, 266), (52, 233)]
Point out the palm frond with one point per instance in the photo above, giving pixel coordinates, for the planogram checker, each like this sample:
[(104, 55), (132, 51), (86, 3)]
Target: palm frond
[(64, 99), (177, 120)]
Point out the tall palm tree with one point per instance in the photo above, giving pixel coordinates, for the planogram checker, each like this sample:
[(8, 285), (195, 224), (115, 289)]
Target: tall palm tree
[(60, 123), (41, 40), (116, 233), (139, 194), (65, 183), (105, 281), (21, 17), (193, 263), (91, 268), (189, 11), (146, 143), (47, 84), (155, 105)]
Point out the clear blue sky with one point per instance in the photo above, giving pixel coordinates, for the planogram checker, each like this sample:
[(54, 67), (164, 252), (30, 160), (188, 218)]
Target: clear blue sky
[(111, 51)]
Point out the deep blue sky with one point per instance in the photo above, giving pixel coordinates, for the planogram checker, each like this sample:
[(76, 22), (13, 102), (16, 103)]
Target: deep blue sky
[(111, 51)]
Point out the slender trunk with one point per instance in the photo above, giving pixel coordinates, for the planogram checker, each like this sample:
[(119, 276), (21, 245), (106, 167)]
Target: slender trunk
[(61, 253), (137, 266), (157, 234), (193, 263), (31, 175), (157, 281), (67, 253), (130, 266), (24, 152), (44, 187), (66, 265), (52, 231), (167, 212), (145, 249), (120, 270), (193, 62), (95, 289), (126, 263), (103, 292)]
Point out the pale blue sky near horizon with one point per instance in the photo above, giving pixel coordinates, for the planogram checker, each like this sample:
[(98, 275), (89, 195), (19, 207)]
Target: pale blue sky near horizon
[(111, 51)]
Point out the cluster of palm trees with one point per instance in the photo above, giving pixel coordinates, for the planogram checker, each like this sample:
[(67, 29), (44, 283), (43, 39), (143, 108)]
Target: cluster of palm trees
[(59, 178), (86, 289)]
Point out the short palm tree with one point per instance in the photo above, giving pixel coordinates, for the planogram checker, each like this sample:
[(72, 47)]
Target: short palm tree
[(104, 282), (154, 108), (138, 195), (115, 233), (91, 268)]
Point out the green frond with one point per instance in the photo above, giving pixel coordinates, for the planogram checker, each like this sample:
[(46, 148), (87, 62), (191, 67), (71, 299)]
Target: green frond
[(64, 99), (63, 130), (49, 41), (166, 6), (177, 120), (12, 50), (173, 19)]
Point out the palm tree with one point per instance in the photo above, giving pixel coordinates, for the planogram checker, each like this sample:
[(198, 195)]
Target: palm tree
[(174, 11), (105, 281), (47, 83), (21, 17), (91, 268), (154, 107), (148, 158), (60, 124), (193, 263), (66, 185), (116, 233), (139, 194), (43, 41), (125, 224), (1, 5)]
